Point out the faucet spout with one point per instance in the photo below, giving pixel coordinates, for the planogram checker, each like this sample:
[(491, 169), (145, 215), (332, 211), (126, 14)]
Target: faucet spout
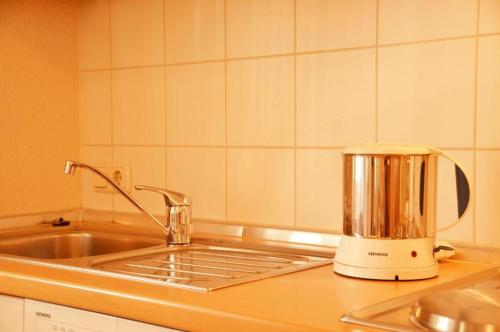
[(69, 169)]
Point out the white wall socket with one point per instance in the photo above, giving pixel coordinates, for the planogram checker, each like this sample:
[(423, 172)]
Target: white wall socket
[(120, 173)]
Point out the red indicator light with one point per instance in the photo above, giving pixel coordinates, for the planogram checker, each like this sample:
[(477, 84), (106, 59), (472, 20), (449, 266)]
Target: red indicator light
[(413, 253)]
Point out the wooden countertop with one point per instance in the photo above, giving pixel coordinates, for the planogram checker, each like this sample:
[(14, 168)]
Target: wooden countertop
[(311, 300)]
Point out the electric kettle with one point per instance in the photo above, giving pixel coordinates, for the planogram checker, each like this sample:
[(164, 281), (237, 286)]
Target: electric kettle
[(389, 221)]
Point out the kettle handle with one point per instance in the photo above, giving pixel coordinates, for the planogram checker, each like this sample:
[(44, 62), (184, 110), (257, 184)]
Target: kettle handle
[(463, 189)]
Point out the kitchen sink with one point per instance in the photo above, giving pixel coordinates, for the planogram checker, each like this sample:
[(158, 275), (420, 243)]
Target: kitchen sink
[(73, 244), (219, 255)]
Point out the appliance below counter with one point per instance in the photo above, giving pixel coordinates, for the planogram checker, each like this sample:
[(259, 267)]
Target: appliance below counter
[(47, 317)]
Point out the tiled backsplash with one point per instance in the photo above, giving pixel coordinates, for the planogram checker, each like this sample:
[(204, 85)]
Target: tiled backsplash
[(246, 104)]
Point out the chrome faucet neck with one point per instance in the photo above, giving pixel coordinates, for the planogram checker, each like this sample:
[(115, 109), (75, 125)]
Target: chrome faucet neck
[(70, 168)]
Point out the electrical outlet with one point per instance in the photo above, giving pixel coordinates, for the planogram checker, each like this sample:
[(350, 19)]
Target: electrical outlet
[(119, 173)]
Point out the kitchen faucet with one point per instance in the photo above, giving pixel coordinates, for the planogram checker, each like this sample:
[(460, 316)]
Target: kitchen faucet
[(178, 225)]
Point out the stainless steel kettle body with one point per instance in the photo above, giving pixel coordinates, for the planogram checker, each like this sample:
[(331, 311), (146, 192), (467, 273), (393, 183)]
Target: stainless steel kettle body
[(390, 191)]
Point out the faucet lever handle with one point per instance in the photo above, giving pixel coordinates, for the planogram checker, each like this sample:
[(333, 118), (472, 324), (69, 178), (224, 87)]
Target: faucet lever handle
[(172, 198)]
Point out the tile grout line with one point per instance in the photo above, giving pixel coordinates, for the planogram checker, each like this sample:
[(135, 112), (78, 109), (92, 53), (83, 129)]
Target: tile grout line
[(226, 177), (489, 34), (474, 159), (376, 67), (270, 147), (314, 52), (295, 157), (426, 41)]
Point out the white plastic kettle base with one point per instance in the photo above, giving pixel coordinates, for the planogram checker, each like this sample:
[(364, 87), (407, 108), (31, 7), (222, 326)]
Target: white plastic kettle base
[(411, 259)]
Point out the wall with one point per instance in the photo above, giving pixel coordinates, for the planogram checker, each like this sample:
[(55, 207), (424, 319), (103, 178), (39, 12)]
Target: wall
[(246, 104), (38, 106)]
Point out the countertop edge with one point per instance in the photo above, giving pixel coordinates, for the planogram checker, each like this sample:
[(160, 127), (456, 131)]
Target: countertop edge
[(119, 303)]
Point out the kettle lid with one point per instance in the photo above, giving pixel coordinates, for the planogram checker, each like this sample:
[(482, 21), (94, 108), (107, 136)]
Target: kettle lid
[(389, 149)]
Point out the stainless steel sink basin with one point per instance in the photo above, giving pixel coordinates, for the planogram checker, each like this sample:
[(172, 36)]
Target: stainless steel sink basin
[(73, 244), (220, 255)]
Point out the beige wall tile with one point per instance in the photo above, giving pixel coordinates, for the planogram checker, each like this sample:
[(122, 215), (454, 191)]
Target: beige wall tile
[(489, 16), (94, 48), (447, 206), (260, 102), (199, 173), (488, 193), (137, 33), (196, 104), (336, 98), (95, 155), (327, 24), (425, 87), (319, 190), (261, 186), (425, 95), (147, 166), (257, 27), (95, 107), (139, 106), (411, 20), (488, 93), (194, 30)]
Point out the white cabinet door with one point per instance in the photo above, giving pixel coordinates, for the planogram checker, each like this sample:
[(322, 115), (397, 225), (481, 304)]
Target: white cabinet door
[(11, 313), (125, 325), (47, 317)]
